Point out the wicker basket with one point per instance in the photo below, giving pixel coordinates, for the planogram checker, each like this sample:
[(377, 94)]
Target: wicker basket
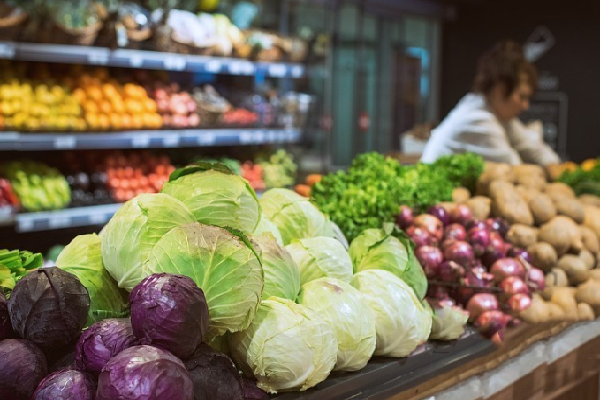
[(12, 25), (136, 38)]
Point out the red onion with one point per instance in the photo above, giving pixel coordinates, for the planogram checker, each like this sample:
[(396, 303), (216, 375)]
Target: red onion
[(449, 271), (498, 225), (455, 232), (490, 256), (506, 267), (405, 218), (460, 252), (461, 214), (479, 238), (441, 303), (498, 337), (513, 285), (496, 242), (437, 292), (475, 277), (430, 258), (518, 302), (475, 223), (480, 303), (420, 237), (535, 279), (490, 322), (517, 252), (440, 213), (431, 225)]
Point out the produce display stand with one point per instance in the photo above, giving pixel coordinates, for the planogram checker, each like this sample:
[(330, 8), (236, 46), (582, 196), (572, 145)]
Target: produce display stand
[(551, 361)]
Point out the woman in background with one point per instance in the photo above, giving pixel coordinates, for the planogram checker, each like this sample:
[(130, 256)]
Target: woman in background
[(485, 121)]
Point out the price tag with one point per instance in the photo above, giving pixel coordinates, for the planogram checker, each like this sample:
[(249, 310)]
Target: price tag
[(213, 66), (277, 70), (248, 68), (171, 141), (140, 141), (246, 137), (25, 225), (259, 137), (98, 58), (64, 142), (59, 222), (241, 68), (135, 60), (7, 51), (9, 136), (297, 71), (207, 139), (174, 63), (273, 136)]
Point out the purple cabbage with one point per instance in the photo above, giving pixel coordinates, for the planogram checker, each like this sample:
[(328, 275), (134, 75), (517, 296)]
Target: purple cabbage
[(22, 367), (67, 384), (5, 326)]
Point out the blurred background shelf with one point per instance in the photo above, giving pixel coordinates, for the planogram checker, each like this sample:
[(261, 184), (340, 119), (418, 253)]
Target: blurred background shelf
[(142, 59), (11, 141), (67, 218)]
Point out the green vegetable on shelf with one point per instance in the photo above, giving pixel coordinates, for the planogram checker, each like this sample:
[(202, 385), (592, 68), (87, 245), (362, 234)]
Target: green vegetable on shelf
[(279, 169), (582, 180), (15, 264)]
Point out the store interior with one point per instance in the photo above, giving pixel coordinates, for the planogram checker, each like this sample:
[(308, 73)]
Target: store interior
[(288, 199)]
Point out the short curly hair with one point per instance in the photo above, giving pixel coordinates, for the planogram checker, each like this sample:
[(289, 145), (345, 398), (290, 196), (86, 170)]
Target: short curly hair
[(504, 64)]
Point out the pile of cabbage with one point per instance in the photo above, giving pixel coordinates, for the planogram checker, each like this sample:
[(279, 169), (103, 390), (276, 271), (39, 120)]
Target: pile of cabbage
[(286, 297)]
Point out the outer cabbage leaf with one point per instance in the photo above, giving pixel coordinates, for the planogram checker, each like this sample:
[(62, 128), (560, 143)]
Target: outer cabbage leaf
[(281, 274), (402, 323), (321, 257), (295, 216), (83, 258), (448, 323), (265, 225), (134, 230), (225, 266), (287, 347), (343, 307)]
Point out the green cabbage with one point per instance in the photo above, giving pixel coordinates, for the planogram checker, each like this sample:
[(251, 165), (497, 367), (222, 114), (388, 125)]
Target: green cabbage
[(281, 274), (295, 216), (448, 323), (321, 257), (287, 347), (265, 225), (83, 258), (133, 231), (402, 323), (351, 318), (380, 249), (216, 196), (223, 264)]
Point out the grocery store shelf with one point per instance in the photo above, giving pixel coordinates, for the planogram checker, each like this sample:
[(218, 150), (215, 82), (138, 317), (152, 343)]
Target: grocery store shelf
[(71, 54), (67, 218), (146, 139)]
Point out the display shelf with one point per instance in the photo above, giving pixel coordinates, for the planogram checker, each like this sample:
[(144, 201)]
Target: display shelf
[(146, 139), (67, 218), (71, 54)]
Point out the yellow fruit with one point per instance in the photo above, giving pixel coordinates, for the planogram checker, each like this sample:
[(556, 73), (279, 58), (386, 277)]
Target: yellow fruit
[(588, 165), (80, 95)]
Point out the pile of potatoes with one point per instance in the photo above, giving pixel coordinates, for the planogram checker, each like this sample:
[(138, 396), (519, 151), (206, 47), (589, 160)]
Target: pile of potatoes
[(560, 231)]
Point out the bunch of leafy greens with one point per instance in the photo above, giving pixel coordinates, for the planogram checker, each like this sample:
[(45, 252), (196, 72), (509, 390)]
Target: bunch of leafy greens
[(583, 181), (369, 194), (14, 265), (461, 169)]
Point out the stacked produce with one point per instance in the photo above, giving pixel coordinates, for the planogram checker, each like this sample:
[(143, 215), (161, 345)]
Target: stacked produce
[(253, 173), (279, 169), (584, 179), (37, 186), (8, 198), (177, 107)]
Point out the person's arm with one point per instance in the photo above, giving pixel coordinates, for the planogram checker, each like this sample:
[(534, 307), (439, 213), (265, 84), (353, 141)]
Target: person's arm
[(530, 144)]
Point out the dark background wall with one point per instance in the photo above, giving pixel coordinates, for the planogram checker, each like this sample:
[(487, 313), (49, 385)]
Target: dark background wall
[(574, 59)]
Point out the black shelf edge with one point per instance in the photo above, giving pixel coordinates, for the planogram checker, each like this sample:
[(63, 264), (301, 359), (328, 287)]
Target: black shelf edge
[(71, 54)]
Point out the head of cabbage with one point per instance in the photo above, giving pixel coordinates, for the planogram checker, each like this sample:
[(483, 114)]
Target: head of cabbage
[(402, 323), (83, 258), (295, 216), (351, 318), (223, 263), (266, 226), (133, 231), (281, 274), (287, 347), (388, 249), (216, 196), (321, 257)]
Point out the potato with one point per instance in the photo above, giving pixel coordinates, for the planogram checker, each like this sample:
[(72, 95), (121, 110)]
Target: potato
[(556, 278), (592, 219), (480, 206), (590, 200), (527, 193), (532, 176), (507, 203), (560, 189), (585, 312), (571, 208), (542, 208), (460, 195), (537, 312), (588, 259), (543, 256), (562, 233), (575, 267), (448, 206), (493, 173), (590, 240), (522, 235), (589, 293), (554, 171)]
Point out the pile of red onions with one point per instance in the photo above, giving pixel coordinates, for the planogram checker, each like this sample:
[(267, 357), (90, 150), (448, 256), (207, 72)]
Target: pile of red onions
[(469, 263)]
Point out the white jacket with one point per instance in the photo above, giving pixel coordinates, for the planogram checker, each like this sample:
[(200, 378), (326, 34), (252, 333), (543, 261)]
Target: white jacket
[(473, 127)]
